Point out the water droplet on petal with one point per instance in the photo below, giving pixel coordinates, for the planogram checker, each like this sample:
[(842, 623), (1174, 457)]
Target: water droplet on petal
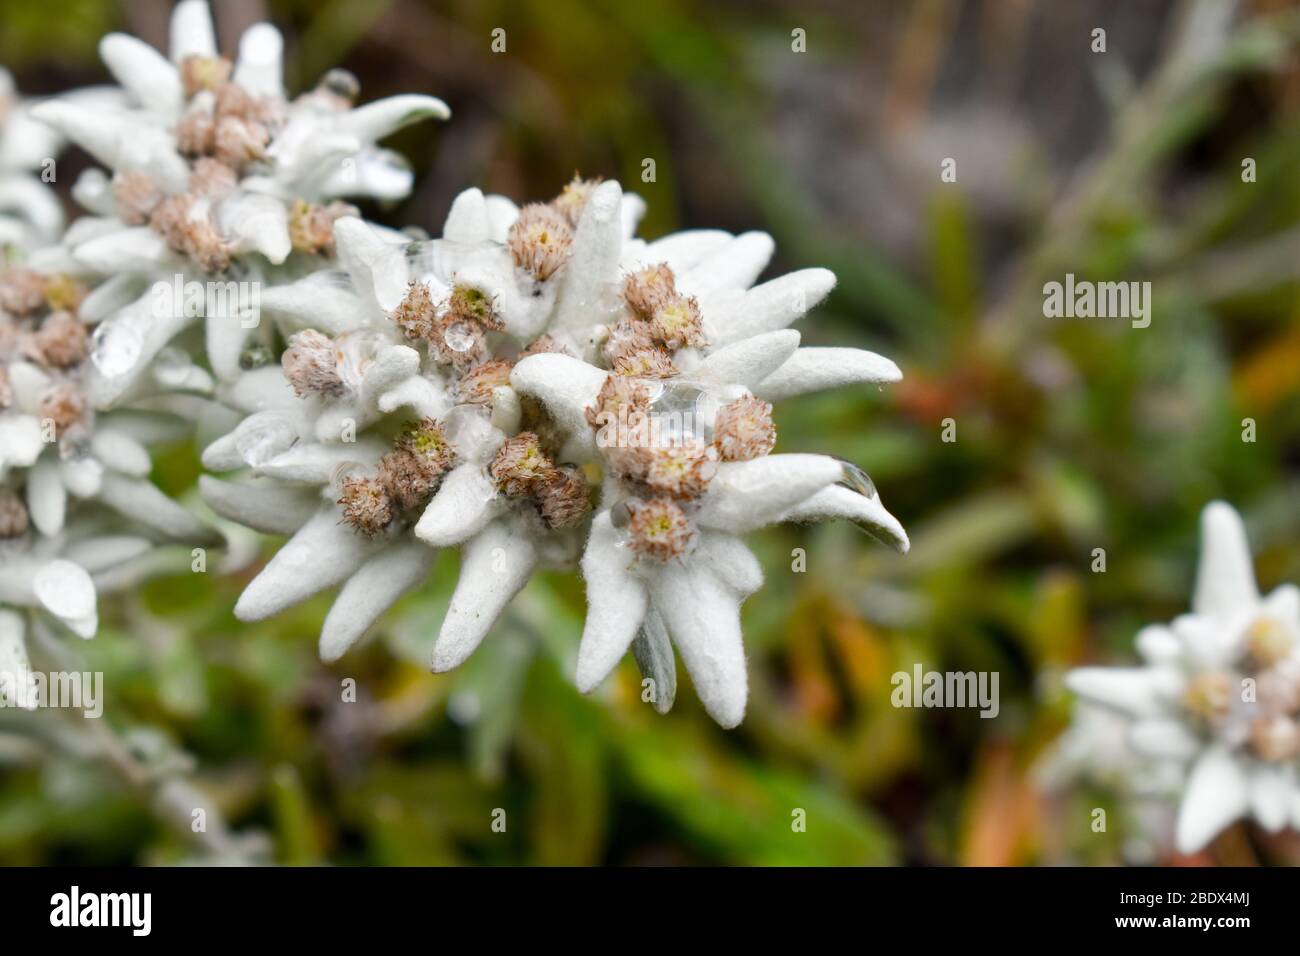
[(459, 337), (172, 367), (857, 480), (116, 346)]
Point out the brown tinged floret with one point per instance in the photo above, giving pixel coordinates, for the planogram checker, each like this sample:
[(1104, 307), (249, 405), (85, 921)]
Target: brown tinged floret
[(520, 467), (678, 324), (237, 142), (458, 343), (743, 429), (13, 515), (650, 362), (63, 293), (475, 387), (64, 406), (366, 505), (573, 198), (681, 471), (647, 290), (196, 133), (62, 340), (311, 225), (540, 240), (427, 441), (1276, 738), (137, 195), (564, 499), (625, 337), (621, 401), (200, 73), (471, 304), (210, 177), (416, 315), (1269, 642), (22, 291), (191, 234), (544, 344), (311, 365), (659, 530), (1209, 695)]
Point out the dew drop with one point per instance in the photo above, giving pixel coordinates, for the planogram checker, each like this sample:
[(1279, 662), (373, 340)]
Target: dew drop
[(459, 337), (116, 347), (855, 479)]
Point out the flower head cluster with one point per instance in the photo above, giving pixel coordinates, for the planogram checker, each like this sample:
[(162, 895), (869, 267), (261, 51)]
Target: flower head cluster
[(76, 504), (213, 172), (584, 398), (1218, 693)]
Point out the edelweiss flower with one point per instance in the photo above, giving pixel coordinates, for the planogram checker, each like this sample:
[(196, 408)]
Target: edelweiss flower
[(491, 349), (29, 210), (64, 468), (1218, 693), (214, 172)]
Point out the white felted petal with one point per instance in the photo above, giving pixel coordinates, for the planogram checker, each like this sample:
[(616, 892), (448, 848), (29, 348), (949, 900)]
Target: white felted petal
[(1215, 797), (257, 223), (764, 308), (260, 68), (631, 212), (117, 140), (1283, 605), (417, 393), (732, 266), (321, 553), (1270, 787), (1157, 644), (376, 120), (681, 250), (1164, 738), (745, 495), (265, 507), (868, 513), (14, 665), (502, 213), (121, 452), (390, 367), (371, 591), (593, 265), (315, 464), (136, 249), (462, 507), (105, 552), (703, 618), (494, 567), (33, 201), (654, 656), (262, 389), (127, 343), (20, 441), (731, 560), (566, 386), (616, 604), (110, 295), (257, 440), (813, 369), (376, 265), (143, 72), (82, 476), (1225, 577), (143, 502), (323, 301), (1131, 690), (47, 498), (191, 32), (66, 591), (749, 361), (468, 220)]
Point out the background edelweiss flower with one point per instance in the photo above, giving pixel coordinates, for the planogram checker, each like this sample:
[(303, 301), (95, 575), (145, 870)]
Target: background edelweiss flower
[(76, 503), (29, 210), (214, 171), (1218, 693), (477, 335)]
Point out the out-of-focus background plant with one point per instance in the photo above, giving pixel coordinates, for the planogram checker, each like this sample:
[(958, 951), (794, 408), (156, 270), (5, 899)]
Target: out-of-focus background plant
[(1072, 435)]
